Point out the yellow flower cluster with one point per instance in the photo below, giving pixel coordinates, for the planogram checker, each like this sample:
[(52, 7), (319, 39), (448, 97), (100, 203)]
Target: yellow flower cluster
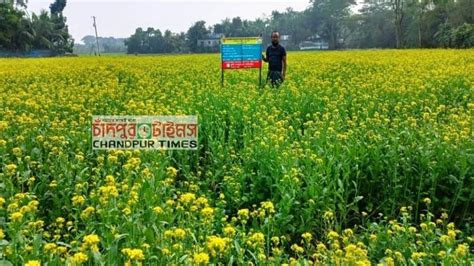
[(201, 258), (134, 253), (217, 245), (91, 242)]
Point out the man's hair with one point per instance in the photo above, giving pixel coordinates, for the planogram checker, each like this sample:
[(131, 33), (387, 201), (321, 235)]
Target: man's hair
[(275, 31)]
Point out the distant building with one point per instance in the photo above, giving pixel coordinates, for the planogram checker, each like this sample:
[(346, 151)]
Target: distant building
[(212, 40), (309, 45), (284, 39), (314, 42)]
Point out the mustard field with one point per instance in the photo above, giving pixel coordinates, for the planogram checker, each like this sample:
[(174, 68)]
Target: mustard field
[(359, 158)]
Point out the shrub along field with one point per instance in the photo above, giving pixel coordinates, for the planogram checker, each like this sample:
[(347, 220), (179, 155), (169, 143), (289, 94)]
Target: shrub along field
[(360, 157)]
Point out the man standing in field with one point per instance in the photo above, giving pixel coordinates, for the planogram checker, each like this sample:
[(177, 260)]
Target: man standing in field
[(276, 58)]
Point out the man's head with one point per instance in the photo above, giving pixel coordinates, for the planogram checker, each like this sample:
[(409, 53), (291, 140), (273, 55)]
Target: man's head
[(275, 37)]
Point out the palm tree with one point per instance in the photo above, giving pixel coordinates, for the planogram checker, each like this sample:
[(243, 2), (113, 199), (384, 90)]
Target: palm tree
[(43, 29)]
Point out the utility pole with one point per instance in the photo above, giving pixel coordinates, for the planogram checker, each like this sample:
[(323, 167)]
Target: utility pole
[(96, 36)]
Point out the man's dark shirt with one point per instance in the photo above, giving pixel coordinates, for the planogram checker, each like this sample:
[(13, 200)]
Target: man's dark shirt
[(275, 56)]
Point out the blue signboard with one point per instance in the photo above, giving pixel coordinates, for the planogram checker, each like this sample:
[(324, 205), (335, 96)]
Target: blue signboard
[(243, 52)]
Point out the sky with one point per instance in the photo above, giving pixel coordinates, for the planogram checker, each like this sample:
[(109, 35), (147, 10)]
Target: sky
[(120, 18)]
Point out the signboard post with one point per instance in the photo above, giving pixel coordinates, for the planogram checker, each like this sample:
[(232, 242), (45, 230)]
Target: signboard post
[(241, 52)]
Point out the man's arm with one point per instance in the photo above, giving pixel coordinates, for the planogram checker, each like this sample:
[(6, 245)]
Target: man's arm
[(265, 57), (284, 67)]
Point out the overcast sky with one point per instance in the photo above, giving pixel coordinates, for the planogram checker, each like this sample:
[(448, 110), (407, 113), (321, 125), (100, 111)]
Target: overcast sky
[(120, 18)]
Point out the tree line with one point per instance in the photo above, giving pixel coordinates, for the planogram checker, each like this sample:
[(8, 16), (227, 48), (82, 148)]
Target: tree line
[(376, 24), (106, 45), (22, 32)]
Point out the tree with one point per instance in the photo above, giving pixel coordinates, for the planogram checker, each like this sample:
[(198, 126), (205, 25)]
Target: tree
[(43, 30), (237, 28), (134, 42), (373, 29), (57, 7), (463, 36), (399, 15), (399, 10), (20, 3), (196, 32), (290, 22), (61, 40), (153, 41), (328, 18), (218, 28), (15, 29), (379, 24), (421, 7), (443, 35), (464, 11), (108, 45)]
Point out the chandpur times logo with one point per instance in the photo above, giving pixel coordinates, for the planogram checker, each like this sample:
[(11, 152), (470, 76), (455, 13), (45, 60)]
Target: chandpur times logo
[(144, 132)]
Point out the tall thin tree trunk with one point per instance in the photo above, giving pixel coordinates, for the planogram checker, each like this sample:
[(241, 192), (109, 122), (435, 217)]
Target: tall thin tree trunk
[(422, 6), (398, 10), (419, 33), (332, 37), (397, 37)]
